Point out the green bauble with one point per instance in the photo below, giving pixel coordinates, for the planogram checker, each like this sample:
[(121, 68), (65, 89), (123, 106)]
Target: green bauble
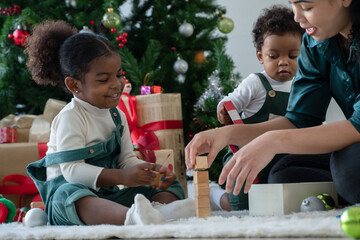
[(111, 19), (225, 25), (350, 222), (328, 200)]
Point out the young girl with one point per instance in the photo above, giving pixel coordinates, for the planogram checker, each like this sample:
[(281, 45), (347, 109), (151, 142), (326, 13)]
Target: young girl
[(90, 151), (328, 66), (263, 96)]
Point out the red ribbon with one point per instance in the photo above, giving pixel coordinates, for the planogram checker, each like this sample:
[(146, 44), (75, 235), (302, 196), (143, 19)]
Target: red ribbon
[(147, 144), (131, 119), (42, 148), (25, 186)]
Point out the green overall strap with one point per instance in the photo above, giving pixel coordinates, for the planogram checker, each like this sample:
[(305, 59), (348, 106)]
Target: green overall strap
[(265, 82), (275, 103), (94, 150)]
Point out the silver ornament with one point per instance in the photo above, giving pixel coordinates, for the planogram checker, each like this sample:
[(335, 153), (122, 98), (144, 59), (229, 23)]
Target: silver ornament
[(186, 29), (35, 217), (181, 66), (312, 204), (86, 30)]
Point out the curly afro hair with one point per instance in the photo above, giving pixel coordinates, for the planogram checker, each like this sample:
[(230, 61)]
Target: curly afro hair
[(57, 51), (42, 48), (276, 20)]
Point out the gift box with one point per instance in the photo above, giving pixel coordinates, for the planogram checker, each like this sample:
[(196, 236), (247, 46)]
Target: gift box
[(164, 157), (162, 114), (285, 198), (14, 158), (40, 128), (8, 135)]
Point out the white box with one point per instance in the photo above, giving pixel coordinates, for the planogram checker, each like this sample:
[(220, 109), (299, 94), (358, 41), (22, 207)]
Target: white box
[(284, 198)]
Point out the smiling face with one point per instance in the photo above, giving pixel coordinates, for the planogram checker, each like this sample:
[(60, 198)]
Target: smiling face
[(279, 55), (103, 83), (323, 19)]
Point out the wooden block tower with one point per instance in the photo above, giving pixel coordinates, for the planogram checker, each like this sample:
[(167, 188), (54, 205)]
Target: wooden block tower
[(202, 189)]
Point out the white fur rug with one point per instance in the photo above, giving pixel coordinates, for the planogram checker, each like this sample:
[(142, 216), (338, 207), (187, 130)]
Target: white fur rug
[(221, 224)]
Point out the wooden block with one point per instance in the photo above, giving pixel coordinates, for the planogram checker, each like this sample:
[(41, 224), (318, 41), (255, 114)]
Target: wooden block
[(201, 163), (202, 202), (202, 189), (201, 177), (160, 177), (37, 205), (203, 212)]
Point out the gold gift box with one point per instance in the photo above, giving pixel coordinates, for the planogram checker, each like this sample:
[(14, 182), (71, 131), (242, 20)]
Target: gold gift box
[(162, 107)]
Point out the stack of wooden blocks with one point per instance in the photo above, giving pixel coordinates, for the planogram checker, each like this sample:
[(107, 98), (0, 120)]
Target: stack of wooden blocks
[(202, 189)]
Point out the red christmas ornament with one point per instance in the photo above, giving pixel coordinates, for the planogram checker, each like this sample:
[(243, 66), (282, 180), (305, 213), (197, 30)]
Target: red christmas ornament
[(92, 23), (20, 37), (113, 30), (10, 36), (121, 45), (125, 34), (124, 41)]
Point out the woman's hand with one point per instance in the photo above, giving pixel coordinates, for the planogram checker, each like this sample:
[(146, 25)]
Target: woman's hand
[(210, 141), (246, 164)]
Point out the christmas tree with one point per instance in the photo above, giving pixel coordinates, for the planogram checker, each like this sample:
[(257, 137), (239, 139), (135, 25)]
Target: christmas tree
[(174, 42)]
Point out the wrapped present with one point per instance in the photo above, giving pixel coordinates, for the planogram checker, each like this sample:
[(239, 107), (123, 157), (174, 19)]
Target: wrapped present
[(162, 115), (156, 89), (7, 121), (13, 161), (24, 121), (144, 89), (40, 128), (53, 107), (20, 123), (8, 135)]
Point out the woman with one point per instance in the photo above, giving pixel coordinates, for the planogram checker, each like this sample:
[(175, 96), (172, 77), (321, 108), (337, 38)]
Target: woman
[(328, 66)]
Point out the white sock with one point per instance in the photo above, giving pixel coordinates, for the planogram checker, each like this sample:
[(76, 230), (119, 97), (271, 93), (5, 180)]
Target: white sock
[(142, 213), (178, 209), (215, 196)]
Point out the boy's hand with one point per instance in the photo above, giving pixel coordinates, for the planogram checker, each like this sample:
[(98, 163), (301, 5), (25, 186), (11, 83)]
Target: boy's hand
[(223, 116)]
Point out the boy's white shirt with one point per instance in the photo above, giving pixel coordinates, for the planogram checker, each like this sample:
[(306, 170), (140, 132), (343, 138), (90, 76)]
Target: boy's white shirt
[(79, 125), (249, 96)]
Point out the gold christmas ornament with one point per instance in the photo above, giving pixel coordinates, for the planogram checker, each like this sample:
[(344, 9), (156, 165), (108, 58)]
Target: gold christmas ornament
[(200, 57), (111, 19)]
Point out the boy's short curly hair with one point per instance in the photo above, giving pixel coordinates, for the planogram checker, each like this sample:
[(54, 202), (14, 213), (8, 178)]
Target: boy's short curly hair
[(276, 20)]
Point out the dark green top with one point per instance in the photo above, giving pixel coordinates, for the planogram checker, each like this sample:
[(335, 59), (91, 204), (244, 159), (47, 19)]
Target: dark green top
[(324, 73)]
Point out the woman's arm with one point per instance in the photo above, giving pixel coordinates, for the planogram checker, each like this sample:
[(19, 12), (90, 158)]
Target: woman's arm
[(254, 156), (212, 141)]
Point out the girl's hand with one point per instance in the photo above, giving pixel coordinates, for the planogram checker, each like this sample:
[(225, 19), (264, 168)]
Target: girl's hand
[(138, 175), (224, 117), (169, 177), (210, 141), (246, 164)]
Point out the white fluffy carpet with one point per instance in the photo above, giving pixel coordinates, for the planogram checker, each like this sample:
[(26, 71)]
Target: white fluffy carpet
[(221, 224)]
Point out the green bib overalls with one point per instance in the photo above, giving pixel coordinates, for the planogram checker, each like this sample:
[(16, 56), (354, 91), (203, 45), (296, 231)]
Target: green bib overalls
[(275, 104), (59, 196)]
